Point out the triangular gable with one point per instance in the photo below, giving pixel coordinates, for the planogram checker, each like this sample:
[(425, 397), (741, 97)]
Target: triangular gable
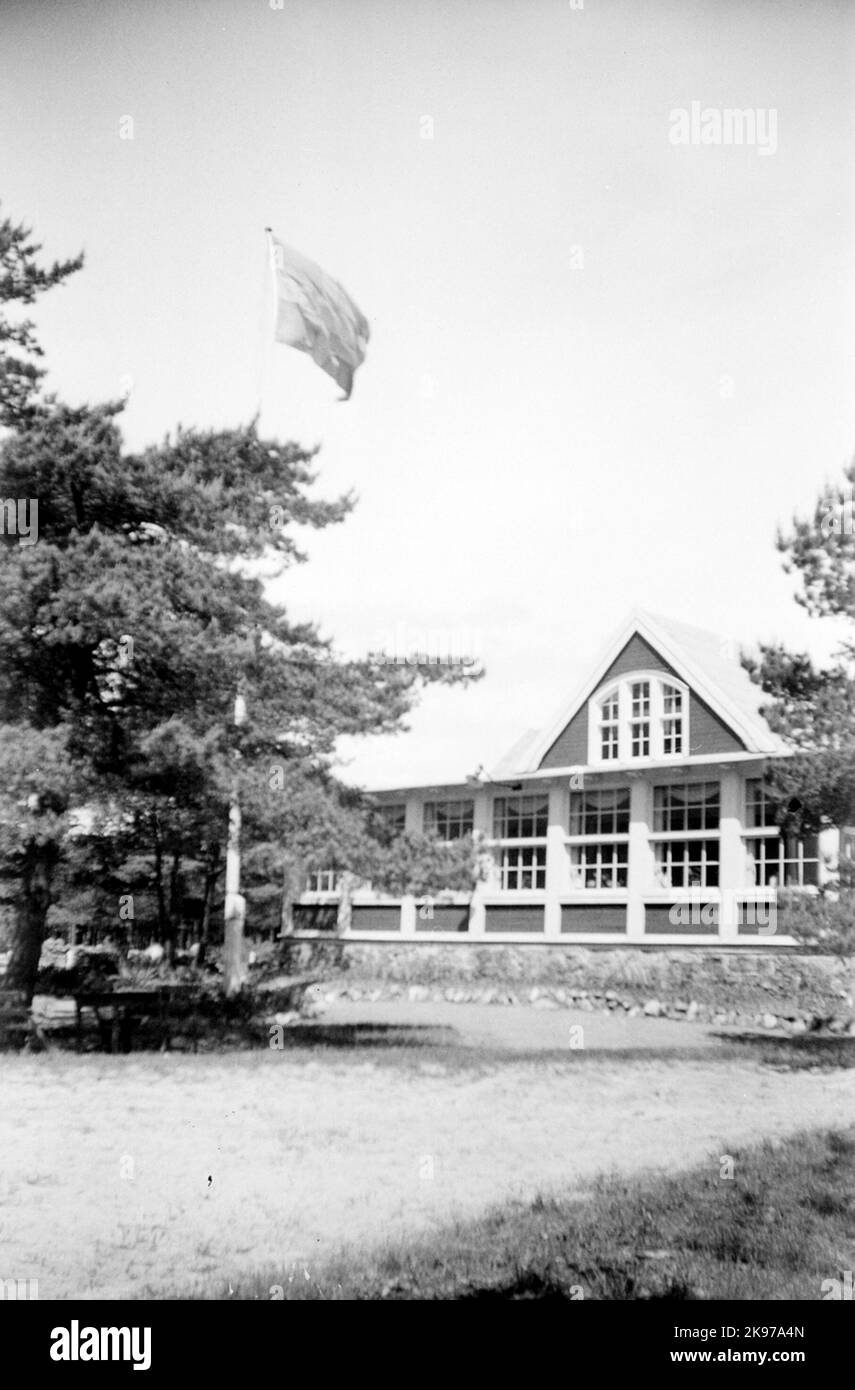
[(724, 715)]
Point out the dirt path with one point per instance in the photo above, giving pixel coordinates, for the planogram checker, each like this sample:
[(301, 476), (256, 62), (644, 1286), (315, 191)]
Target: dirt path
[(517, 1027), (126, 1175)]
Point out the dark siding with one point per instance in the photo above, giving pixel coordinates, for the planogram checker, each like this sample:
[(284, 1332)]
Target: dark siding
[(370, 918), (708, 733), (571, 745), (608, 917), (315, 916), (757, 919), (511, 918), (445, 918), (657, 920)]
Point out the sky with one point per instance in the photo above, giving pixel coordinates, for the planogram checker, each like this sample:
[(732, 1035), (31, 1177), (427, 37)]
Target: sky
[(603, 368)]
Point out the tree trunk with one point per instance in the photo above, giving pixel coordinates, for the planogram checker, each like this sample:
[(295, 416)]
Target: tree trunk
[(234, 948), (346, 885), (29, 932), (212, 872), (158, 878), (172, 914), (293, 876)]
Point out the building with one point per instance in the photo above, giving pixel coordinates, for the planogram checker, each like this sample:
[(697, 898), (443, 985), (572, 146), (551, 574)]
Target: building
[(638, 816)]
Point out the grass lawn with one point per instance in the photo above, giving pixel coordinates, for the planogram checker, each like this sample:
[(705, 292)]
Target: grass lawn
[(777, 1229), (155, 1175)]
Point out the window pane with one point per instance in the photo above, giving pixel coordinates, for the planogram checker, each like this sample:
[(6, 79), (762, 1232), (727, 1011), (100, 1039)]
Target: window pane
[(600, 865), (688, 863), (523, 867), (695, 806), (520, 817), (601, 812), (449, 820)]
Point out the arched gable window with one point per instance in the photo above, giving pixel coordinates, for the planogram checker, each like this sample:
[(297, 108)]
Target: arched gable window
[(642, 715)]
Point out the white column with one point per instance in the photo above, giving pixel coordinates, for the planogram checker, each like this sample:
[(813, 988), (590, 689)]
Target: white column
[(483, 827), (732, 871), (640, 876), (557, 874), (408, 915)]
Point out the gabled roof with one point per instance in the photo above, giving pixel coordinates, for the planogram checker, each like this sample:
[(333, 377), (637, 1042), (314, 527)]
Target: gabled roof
[(699, 658)]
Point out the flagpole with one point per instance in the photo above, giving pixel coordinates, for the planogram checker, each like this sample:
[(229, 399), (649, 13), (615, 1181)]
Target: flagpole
[(267, 326)]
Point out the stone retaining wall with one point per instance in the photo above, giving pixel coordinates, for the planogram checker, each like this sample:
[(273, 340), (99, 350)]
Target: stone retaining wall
[(725, 986)]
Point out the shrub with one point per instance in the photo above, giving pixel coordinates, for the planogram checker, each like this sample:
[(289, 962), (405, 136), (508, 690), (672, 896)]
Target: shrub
[(818, 921)]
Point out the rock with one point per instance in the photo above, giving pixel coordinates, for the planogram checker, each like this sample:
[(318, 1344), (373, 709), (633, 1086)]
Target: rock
[(692, 1011), (653, 1009), (798, 1025), (543, 1002), (769, 1021), (418, 994)]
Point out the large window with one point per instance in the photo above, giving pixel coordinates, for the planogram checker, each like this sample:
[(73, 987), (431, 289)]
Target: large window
[(672, 719), (610, 727), (783, 861), (595, 814), (599, 865), (777, 860), (643, 715), (761, 808), (640, 724), (604, 811), (520, 817), (686, 806), (449, 820), (687, 863), (522, 866)]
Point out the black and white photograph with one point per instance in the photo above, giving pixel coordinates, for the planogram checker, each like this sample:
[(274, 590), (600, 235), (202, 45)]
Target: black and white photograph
[(427, 667)]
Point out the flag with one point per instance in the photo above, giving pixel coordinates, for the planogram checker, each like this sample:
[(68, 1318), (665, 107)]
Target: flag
[(315, 314)]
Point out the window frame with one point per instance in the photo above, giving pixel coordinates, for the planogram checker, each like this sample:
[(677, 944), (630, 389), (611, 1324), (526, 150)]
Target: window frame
[(701, 832), (458, 820), (625, 725), (664, 856), (759, 833), (510, 860), (599, 857), (580, 812), (501, 822)]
